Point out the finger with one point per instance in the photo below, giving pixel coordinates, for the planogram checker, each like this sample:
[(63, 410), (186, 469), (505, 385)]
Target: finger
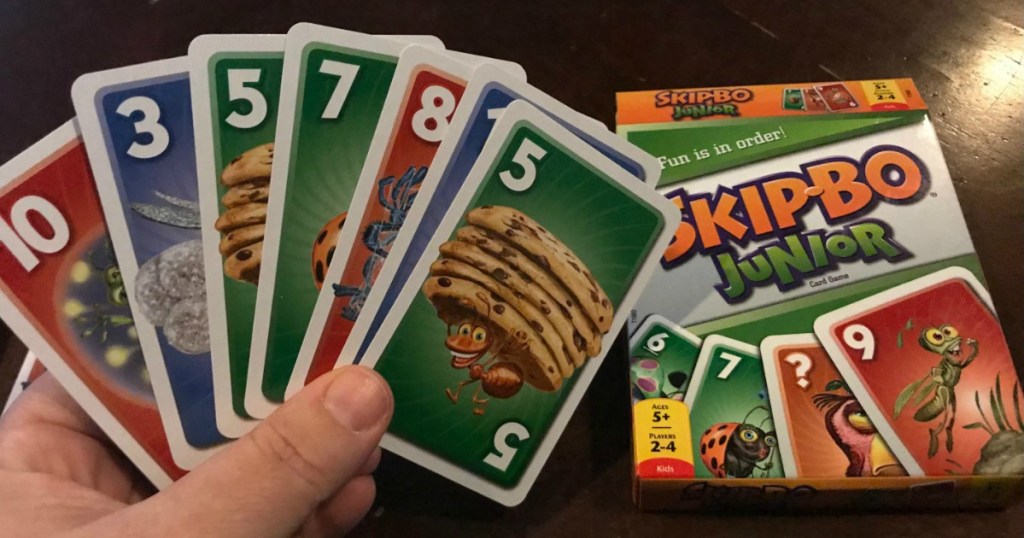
[(45, 416), (343, 511), (45, 401), (271, 480), (371, 463)]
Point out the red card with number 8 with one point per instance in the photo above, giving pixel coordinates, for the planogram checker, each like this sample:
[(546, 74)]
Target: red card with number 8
[(61, 293), (929, 363)]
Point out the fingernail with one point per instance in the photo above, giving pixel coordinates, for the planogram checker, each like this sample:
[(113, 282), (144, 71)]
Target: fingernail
[(358, 399)]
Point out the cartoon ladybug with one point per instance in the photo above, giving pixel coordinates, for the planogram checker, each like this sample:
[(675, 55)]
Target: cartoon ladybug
[(323, 248), (733, 449)]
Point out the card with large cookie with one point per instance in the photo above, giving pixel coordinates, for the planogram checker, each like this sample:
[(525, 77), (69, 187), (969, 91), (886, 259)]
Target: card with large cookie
[(479, 348), (488, 93), (424, 94), (334, 86), (137, 126)]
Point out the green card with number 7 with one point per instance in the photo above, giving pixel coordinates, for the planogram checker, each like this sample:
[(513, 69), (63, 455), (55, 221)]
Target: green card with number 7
[(731, 419), (544, 230), (334, 84)]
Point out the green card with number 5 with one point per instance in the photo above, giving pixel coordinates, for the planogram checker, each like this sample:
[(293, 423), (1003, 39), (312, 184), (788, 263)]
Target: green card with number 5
[(730, 414), (236, 82), (334, 84), (527, 281)]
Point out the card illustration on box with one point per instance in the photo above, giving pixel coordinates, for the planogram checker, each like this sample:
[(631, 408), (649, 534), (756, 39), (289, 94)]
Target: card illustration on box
[(930, 364), (731, 420), (662, 359), (822, 428)]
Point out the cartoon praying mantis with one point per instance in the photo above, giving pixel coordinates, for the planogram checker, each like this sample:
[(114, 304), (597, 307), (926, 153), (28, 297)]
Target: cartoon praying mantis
[(940, 383)]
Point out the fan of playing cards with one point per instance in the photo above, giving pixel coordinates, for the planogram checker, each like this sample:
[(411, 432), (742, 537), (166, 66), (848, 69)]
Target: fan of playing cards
[(213, 232)]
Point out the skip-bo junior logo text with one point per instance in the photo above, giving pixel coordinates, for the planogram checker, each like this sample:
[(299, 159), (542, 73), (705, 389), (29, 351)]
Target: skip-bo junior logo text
[(769, 211), (696, 104)]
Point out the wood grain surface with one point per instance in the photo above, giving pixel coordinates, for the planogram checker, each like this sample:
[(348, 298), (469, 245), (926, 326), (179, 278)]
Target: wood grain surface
[(964, 56)]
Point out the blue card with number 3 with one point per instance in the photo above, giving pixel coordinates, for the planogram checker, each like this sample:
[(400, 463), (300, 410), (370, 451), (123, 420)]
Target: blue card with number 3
[(137, 126)]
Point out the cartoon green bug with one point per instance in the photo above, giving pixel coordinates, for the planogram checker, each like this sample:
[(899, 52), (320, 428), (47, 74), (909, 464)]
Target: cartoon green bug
[(945, 341)]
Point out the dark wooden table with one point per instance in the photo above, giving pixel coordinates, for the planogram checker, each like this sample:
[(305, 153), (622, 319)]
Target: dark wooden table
[(965, 57)]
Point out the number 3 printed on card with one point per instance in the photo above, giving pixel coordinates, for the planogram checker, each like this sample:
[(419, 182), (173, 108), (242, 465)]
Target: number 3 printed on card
[(148, 125)]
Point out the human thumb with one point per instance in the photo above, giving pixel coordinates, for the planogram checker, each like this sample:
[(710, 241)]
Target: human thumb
[(271, 480)]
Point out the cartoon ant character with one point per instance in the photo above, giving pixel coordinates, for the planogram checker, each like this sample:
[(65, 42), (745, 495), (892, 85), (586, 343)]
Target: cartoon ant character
[(946, 342), (734, 449), (379, 235), (470, 342)]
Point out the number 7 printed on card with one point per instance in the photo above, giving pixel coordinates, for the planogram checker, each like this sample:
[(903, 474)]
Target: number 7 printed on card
[(334, 86), (423, 97)]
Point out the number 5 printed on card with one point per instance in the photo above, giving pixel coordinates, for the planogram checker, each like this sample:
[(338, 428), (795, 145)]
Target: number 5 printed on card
[(236, 82)]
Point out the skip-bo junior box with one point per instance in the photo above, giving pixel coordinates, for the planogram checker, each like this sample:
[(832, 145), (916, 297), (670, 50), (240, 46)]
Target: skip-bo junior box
[(819, 330)]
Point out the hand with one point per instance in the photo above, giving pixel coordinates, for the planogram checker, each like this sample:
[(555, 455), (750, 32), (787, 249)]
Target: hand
[(305, 470)]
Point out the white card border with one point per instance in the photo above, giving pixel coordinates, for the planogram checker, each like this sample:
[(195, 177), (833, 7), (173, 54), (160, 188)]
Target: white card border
[(519, 112), (18, 386)]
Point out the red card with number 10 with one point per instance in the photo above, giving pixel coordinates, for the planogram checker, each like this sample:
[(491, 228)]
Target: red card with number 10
[(61, 293), (929, 363)]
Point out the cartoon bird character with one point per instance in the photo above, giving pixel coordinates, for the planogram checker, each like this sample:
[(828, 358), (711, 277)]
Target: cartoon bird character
[(855, 435), (940, 383)]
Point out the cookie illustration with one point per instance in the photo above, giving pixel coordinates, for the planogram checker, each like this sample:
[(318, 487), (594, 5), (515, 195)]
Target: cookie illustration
[(323, 247), (531, 272), (253, 165), (243, 215), (458, 301), (240, 237), (246, 193), (500, 293), (545, 249), (519, 304), (244, 264), (244, 219), (507, 275)]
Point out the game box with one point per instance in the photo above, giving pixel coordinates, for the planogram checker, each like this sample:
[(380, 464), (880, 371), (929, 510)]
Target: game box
[(819, 332)]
